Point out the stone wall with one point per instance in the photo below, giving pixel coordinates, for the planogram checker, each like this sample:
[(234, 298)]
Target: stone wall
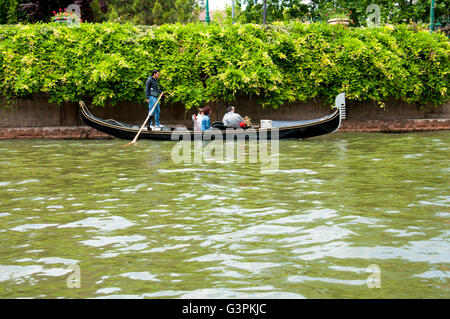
[(397, 116)]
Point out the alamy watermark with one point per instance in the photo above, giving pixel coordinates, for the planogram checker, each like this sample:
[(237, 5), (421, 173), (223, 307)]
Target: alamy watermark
[(217, 146), (374, 280), (74, 279), (374, 15), (74, 19)]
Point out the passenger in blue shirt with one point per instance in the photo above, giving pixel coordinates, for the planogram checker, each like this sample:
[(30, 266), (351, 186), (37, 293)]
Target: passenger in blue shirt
[(206, 123)]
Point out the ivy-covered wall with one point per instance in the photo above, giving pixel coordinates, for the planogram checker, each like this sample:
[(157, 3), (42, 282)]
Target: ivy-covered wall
[(287, 62)]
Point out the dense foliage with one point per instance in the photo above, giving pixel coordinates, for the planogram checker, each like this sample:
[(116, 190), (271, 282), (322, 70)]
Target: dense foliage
[(110, 62)]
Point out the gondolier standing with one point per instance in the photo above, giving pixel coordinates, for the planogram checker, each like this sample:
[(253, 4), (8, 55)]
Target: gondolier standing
[(152, 92)]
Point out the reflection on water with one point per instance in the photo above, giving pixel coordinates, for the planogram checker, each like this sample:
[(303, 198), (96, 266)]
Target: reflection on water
[(139, 225)]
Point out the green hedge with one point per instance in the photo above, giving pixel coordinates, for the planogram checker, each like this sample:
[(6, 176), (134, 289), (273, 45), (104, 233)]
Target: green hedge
[(110, 62)]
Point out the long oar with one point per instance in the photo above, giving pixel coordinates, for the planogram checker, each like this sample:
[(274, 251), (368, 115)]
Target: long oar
[(143, 125)]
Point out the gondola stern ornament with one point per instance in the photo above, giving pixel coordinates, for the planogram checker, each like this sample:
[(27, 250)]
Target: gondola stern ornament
[(340, 104)]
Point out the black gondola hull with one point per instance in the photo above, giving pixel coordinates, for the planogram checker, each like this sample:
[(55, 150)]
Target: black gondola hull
[(326, 125)]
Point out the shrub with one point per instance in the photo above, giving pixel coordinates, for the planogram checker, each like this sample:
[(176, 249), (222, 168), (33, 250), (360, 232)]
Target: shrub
[(110, 62)]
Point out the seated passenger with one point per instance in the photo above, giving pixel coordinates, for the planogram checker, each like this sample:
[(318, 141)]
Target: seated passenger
[(198, 120), (206, 123), (232, 119)]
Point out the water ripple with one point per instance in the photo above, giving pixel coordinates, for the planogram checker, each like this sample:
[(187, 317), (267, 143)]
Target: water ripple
[(140, 226)]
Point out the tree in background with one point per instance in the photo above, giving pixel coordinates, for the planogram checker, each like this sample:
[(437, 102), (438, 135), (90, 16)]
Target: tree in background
[(253, 12), (295, 9), (98, 7), (248, 11), (135, 11), (9, 11), (184, 9), (391, 11), (157, 12), (151, 11)]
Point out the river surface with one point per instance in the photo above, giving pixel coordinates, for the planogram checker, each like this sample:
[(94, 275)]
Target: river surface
[(343, 216)]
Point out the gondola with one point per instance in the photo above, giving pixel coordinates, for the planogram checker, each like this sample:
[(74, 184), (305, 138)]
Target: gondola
[(278, 129)]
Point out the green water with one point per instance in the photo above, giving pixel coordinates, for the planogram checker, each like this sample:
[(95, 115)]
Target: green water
[(139, 225)]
